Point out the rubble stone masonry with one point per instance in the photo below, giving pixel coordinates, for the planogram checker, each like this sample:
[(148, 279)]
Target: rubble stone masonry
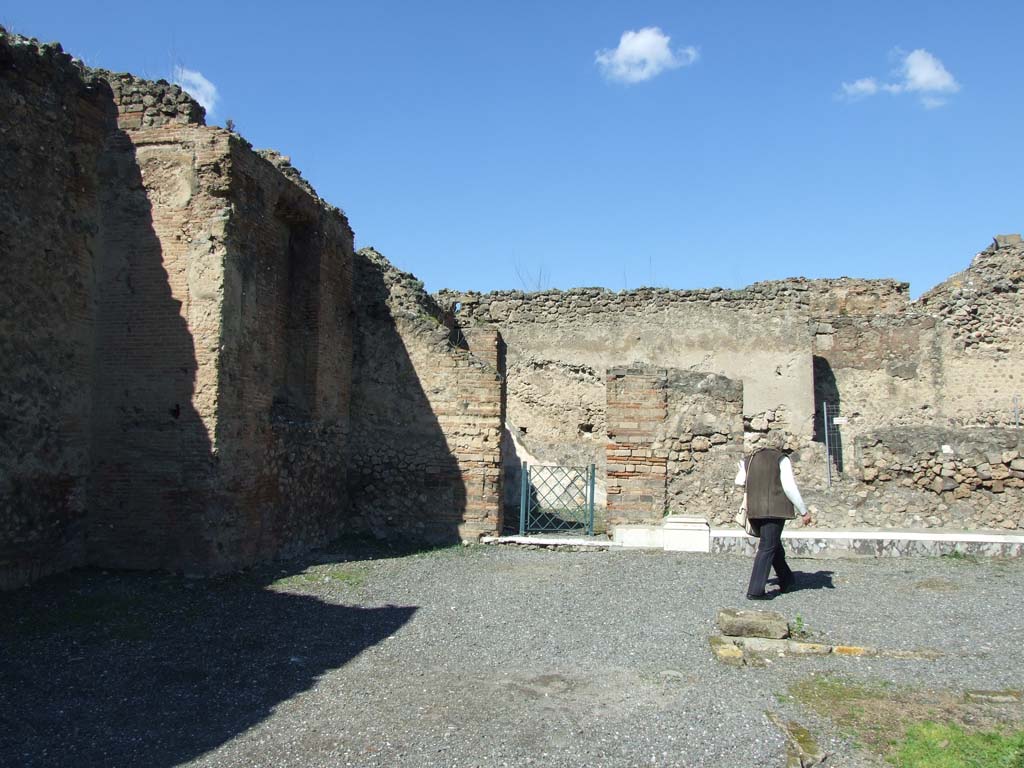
[(427, 414), (953, 358), (674, 438), (176, 334), (53, 124), (964, 478)]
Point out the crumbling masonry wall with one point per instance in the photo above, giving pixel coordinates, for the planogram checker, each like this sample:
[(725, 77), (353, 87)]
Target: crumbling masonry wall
[(674, 438), (210, 451), (54, 126), (427, 414), (177, 371), (954, 358), (560, 344), (963, 478)]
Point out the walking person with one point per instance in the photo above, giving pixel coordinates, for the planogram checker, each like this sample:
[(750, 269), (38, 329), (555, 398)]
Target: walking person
[(772, 498)]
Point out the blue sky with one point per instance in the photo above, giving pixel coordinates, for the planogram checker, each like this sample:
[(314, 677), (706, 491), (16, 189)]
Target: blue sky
[(486, 145)]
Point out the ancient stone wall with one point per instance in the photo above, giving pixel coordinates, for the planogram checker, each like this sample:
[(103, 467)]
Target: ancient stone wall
[(286, 362), (147, 103), (674, 438), (941, 477), (157, 337), (980, 314), (224, 337), (54, 124), (181, 337), (427, 414), (560, 344), (203, 374), (953, 358)]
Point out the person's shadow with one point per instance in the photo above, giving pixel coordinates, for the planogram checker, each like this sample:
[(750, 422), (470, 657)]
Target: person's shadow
[(809, 581)]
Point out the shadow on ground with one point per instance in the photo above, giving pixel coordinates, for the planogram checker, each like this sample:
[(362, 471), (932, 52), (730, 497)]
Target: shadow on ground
[(123, 669), (809, 581)]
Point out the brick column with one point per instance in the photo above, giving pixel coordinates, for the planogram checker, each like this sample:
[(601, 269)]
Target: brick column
[(637, 408)]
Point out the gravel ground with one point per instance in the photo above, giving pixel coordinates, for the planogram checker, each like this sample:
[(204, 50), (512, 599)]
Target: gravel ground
[(477, 656)]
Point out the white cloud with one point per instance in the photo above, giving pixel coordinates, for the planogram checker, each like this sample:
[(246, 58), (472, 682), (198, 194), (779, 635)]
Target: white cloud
[(923, 72), (641, 55), (201, 89), (866, 86), (920, 72)]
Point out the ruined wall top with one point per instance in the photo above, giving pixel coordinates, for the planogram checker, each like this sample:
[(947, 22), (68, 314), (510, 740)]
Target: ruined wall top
[(383, 285), (997, 269), (147, 103), (140, 103), (981, 304), (819, 297), (38, 62)]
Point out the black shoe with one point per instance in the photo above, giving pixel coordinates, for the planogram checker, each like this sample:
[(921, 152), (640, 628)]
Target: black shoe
[(762, 596)]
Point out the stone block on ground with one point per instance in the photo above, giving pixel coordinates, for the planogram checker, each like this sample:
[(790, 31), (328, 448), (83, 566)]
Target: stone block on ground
[(995, 697), (801, 748), (773, 647), (726, 651), (740, 623)]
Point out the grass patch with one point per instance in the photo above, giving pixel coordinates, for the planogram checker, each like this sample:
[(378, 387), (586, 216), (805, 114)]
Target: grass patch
[(936, 745), (956, 556), (910, 728), (936, 585), (350, 576)]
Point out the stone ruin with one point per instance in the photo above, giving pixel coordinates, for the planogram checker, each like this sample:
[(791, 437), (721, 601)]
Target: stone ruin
[(665, 390), (200, 372)]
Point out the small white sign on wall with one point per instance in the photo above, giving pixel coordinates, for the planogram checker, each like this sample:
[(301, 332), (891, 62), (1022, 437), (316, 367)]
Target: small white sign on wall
[(839, 420)]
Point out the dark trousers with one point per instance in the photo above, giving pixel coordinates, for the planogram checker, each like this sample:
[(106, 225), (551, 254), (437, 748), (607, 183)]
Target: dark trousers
[(770, 554)]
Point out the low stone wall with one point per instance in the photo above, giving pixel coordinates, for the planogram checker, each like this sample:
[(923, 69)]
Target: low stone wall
[(971, 478), (809, 543)]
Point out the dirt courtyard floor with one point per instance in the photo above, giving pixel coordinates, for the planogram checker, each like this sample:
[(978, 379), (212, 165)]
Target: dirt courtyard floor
[(486, 656)]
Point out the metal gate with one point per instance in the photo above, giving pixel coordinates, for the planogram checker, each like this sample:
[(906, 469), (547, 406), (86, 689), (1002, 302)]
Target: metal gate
[(556, 499), (833, 438)]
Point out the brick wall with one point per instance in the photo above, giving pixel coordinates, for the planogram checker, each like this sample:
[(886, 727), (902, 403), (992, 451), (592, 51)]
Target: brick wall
[(159, 289), (635, 469), (224, 345)]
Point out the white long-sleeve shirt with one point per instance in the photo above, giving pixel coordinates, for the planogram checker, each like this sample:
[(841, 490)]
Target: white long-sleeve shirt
[(787, 480)]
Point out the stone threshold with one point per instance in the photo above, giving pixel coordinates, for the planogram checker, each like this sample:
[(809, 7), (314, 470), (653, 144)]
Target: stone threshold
[(554, 542), (882, 533), (824, 543), (687, 536)]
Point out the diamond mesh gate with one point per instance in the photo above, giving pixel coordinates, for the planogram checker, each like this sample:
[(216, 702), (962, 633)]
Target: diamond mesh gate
[(556, 499)]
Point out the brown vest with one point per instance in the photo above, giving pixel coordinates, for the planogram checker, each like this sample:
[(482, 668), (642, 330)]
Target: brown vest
[(765, 497)]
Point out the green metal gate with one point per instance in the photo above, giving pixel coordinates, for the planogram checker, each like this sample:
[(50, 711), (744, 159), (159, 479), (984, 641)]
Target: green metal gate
[(556, 499)]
